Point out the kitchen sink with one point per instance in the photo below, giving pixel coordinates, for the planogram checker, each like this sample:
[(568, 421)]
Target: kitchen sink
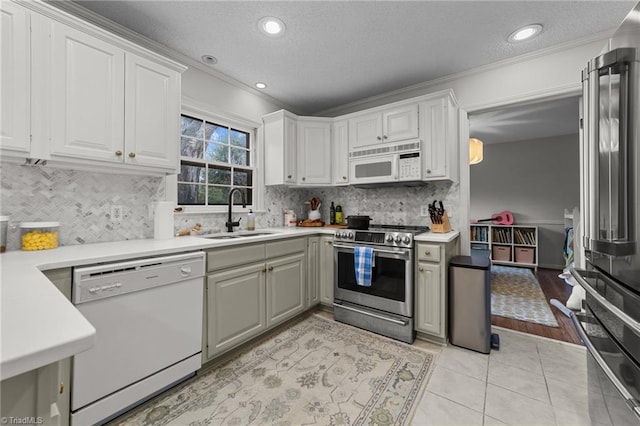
[(229, 235)]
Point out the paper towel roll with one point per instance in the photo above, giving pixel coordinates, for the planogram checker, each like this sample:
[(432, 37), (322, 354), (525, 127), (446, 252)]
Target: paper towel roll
[(163, 220)]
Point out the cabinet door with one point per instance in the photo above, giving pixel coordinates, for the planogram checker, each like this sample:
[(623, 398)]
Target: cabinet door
[(279, 132), (87, 87), (314, 152), (400, 123), (326, 270), (340, 148), (152, 106), (428, 298), (313, 271), (365, 130), (235, 308), (285, 288), (14, 73)]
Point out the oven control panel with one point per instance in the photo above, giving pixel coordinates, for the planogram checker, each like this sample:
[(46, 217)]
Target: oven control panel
[(393, 239)]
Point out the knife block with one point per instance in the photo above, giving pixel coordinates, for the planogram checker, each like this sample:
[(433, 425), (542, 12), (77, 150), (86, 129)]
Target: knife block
[(443, 227)]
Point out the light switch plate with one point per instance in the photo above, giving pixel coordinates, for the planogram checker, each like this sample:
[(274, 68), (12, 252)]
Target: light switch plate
[(424, 211)]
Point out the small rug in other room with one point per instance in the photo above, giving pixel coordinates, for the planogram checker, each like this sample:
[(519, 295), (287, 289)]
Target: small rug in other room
[(316, 372), (516, 293)]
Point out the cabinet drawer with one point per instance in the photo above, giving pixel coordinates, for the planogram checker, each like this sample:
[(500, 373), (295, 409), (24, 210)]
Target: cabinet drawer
[(429, 252), (233, 256), (283, 247)]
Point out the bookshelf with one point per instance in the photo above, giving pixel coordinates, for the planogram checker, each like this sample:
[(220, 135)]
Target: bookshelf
[(514, 245)]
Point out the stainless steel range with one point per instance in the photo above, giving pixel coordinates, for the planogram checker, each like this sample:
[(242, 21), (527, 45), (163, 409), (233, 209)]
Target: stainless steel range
[(386, 306)]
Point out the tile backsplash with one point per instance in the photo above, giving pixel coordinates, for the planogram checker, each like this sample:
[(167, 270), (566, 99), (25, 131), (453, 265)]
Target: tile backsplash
[(81, 201)]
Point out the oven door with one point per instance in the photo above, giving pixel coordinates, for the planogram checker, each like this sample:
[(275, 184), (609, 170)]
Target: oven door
[(391, 279)]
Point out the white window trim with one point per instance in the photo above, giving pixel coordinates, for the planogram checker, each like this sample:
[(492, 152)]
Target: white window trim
[(195, 108)]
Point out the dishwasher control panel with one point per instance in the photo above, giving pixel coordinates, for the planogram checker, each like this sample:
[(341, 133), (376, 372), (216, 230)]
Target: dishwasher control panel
[(112, 279)]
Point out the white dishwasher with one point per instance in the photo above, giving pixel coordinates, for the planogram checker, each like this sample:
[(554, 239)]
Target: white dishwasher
[(148, 319)]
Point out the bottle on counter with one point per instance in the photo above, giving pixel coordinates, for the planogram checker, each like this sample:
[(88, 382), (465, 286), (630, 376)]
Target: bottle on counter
[(339, 217), (332, 214), (251, 220)]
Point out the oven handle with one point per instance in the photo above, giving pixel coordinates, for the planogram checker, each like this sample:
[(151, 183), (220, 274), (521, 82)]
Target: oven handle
[(371, 314), (629, 399), (376, 250), (626, 319)]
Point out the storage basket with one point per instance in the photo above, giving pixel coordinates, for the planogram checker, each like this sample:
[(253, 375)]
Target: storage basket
[(524, 255), (501, 253)]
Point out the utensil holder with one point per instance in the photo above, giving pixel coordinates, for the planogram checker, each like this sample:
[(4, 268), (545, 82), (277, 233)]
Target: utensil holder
[(443, 227)]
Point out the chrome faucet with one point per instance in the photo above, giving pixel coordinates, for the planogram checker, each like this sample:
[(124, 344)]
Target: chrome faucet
[(230, 223)]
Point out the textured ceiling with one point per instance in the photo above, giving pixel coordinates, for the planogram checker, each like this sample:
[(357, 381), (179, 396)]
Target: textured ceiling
[(336, 52), (526, 122)]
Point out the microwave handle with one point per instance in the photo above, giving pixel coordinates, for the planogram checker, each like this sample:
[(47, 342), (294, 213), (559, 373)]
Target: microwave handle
[(625, 63)]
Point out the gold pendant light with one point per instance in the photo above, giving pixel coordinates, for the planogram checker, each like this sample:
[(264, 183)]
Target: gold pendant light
[(475, 151)]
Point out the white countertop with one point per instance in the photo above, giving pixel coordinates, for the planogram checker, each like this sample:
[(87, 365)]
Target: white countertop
[(435, 237), (40, 326)]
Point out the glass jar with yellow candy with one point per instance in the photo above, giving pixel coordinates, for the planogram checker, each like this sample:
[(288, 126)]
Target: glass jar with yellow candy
[(39, 235)]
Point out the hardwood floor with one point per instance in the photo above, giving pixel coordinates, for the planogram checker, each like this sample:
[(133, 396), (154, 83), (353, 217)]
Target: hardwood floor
[(553, 288)]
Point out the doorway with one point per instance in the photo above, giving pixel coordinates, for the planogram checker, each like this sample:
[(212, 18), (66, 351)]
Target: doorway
[(530, 168)]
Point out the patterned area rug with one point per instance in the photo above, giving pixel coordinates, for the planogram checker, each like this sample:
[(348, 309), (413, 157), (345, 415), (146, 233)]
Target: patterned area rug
[(516, 293), (316, 372)]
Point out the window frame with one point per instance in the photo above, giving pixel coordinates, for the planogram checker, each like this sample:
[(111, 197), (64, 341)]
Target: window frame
[(233, 122)]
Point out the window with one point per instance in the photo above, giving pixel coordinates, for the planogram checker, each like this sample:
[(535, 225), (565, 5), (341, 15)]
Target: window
[(214, 157)]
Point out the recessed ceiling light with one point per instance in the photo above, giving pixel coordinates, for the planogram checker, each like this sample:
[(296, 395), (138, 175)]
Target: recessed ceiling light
[(261, 85), (209, 59), (273, 27), (525, 33)]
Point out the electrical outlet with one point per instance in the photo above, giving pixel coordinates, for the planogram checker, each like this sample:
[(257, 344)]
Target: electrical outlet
[(116, 213), (424, 211)]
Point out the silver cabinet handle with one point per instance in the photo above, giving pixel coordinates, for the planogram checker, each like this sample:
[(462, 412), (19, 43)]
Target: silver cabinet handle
[(626, 319), (631, 401)]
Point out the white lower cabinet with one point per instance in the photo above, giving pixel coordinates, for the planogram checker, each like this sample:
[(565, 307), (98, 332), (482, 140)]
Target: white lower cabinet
[(326, 270), (41, 394), (251, 288), (431, 282)]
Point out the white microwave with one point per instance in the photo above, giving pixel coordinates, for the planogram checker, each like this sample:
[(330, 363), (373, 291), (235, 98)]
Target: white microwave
[(385, 168)]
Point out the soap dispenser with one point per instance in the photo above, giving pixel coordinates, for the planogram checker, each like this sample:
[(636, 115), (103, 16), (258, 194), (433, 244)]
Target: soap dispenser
[(251, 220)]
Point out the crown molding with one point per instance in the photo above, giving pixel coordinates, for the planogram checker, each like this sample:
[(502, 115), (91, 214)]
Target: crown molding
[(425, 86)]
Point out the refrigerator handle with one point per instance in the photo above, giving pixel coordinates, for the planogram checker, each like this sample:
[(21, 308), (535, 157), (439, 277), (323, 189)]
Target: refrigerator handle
[(624, 62)]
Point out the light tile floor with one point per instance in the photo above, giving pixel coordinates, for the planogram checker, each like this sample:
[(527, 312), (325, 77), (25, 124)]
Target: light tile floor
[(528, 381)]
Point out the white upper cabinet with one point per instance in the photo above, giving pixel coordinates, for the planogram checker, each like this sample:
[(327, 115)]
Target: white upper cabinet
[(314, 152), (280, 132), (152, 103), (87, 101), (14, 85), (439, 134), (340, 147), (97, 101), (388, 125)]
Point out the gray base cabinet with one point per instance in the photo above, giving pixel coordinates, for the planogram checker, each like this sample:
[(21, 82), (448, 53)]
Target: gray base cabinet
[(313, 271), (251, 288), (40, 396), (235, 307), (326, 270), (432, 261)]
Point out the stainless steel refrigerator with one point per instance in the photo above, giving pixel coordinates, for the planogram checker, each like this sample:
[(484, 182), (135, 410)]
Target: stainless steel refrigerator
[(609, 324)]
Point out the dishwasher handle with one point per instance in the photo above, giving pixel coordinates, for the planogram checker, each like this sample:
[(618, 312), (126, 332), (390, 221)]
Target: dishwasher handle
[(97, 282)]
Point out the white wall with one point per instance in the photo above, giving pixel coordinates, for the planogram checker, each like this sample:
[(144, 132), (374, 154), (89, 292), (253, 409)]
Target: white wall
[(536, 180)]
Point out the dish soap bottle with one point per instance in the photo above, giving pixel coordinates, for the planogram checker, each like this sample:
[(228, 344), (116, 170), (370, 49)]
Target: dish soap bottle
[(339, 217), (332, 214), (251, 220)]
